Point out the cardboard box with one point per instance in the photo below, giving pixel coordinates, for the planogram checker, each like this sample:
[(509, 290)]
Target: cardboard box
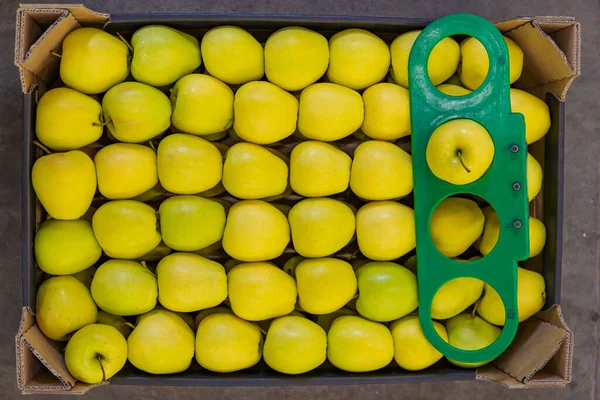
[(541, 354)]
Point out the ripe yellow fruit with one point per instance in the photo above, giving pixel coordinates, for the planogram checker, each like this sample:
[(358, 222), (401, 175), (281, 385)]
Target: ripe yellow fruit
[(125, 170), (324, 284), (443, 60), (259, 291), (455, 296), (188, 164), (202, 105), (412, 350), (455, 225), (534, 177), (381, 171), (329, 112), (319, 169), (385, 230), (232, 55), (453, 90), (537, 234), (355, 344), (387, 112), (329, 220), (264, 113), (255, 231), (254, 172), (295, 345), (357, 58), (460, 151), (295, 57), (535, 111), (226, 343), (475, 62)]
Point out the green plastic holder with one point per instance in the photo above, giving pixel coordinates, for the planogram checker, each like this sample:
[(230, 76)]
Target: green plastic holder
[(504, 185)]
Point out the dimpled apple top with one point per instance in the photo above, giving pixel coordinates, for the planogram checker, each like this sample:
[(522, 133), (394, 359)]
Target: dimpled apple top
[(412, 350), (357, 58), (67, 119), (232, 55), (123, 287), (319, 169), (264, 113), (93, 61), (202, 105), (63, 305), (65, 183), (259, 291), (321, 227), (359, 345), (226, 343), (135, 112), (161, 343), (161, 55), (95, 353), (295, 345), (329, 112), (475, 62), (295, 57), (126, 228), (125, 170), (251, 171), (443, 60), (66, 247), (255, 231)]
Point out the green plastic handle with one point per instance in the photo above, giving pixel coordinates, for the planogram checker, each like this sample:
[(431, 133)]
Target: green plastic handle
[(489, 105)]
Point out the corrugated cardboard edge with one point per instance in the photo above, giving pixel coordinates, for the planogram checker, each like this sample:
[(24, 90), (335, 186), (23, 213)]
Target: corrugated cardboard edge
[(540, 356), (40, 364), (33, 46)]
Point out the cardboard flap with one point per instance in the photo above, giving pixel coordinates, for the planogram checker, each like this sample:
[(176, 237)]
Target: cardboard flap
[(540, 356), (40, 30), (551, 48), (40, 364)]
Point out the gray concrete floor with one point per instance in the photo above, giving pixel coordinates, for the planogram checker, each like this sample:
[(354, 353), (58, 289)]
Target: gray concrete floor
[(580, 279)]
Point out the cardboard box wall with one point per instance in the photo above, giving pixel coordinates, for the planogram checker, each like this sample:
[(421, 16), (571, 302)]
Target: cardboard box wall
[(541, 354)]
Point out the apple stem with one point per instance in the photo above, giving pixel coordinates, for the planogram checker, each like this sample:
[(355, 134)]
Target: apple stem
[(99, 357), (462, 161), (99, 123), (151, 145), (125, 41), (475, 308), (148, 269), (129, 324), (55, 54), (41, 146)]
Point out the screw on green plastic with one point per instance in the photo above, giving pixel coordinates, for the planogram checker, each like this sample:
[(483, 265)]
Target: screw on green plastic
[(489, 106)]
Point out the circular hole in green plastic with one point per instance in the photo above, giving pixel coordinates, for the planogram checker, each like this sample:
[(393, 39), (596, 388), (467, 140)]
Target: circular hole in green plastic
[(460, 151)]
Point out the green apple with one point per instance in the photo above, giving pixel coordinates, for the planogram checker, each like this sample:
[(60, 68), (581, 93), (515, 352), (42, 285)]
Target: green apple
[(161, 343), (66, 247), (180, 217), (189, 282), (202, 105), (93, 61), (387, 291), (123, 287), (295, 345), (161, 55), (126, 228), (117, 322), (65, 183), (95, 353), (67, 119), (460, 151), (125, 170), (135, 112), (63, 306)]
